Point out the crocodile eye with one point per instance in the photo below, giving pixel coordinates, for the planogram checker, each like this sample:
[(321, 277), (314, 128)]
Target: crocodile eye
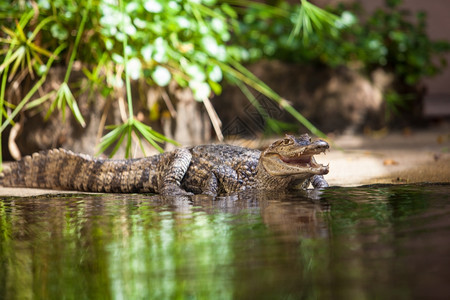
[(286, 141)]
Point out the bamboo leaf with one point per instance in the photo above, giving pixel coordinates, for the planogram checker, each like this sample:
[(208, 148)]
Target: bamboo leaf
[(19, 60), (252, 99), (155, 135), (76, 112), (141, 146), (106, 143), (20, 32), (26, 17), (113, 132), (150, 138), (307, 28), (258, 85), (110, 127), (77, 41), (117, 146), (40, 26), (147, 131), (33, 89), (297, 26), (150, 135), (311, 16), (10, 32), (39, 50), (65, 97), (29, 63), (58, 100), (51, 108), (128, 146), (8, 60), (314, 17), (70, 99), (39, 100), (163, 137), (152, 142), (110, 138)]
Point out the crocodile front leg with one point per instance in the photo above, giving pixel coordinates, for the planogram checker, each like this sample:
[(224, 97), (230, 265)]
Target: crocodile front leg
[(173, 172), (319, 182), (222, 178)]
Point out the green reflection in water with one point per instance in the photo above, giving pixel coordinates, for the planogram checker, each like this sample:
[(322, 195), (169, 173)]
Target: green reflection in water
[(114, 247), (169, 254), (349, 243)]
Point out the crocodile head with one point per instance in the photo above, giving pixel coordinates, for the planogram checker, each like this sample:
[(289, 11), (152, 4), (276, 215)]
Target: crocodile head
[(294, 157)]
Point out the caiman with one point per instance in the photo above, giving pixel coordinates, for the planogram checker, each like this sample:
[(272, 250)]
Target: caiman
[(286, 164)]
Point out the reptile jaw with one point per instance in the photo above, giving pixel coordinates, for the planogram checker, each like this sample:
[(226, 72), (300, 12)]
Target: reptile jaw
[(294, 157), (304, 158), (300, 165)]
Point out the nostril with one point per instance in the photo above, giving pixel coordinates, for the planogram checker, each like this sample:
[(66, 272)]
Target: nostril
[(321, 143)]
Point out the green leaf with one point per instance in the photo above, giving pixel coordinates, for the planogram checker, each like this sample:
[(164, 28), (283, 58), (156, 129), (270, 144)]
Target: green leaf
[(229, 10), (39, 100), (147, 133), (201, 90), (147, 52), (118, 144), (65, 97), (19, 57), (161, 76), (154, 135), (111, 137), (195, 72), (153, 6), (215, 74), (183, 22), (216, 87), (218, 25), (59, 32), (134, 67), (33, 90)]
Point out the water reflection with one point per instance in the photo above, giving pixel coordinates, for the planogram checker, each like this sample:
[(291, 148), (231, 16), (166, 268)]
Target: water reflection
[(369, 242)]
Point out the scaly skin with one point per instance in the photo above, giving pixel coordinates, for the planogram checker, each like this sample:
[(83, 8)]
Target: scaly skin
[(209, 169)]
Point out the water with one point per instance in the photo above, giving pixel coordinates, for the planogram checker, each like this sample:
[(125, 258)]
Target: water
[(379, 242)]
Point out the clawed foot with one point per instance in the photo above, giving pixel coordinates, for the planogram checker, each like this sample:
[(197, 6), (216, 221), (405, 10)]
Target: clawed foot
[(209, 193), (174, 190)]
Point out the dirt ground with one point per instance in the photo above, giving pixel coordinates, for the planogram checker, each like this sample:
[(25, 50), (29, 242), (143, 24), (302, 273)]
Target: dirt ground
[(380, 157), (407, 157)]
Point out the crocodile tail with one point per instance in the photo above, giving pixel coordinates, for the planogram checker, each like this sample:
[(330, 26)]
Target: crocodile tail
[(46, 169), (66, 170)]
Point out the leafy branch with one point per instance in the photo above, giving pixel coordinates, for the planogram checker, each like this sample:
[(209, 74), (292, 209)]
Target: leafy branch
[(64, 95), (119, 132), (27, 97), (188, 43), (311, 16), (23, 51)]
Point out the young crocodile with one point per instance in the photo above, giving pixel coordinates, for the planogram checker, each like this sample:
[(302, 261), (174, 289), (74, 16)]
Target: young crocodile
[(209, 169)]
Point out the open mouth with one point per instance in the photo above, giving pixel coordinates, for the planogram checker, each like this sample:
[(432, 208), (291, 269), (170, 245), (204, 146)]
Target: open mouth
[(301, 161), (297, 161), (305, 159)]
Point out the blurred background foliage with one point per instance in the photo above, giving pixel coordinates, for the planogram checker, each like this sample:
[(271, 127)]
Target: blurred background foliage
[(197, 44), (191, 42), (390, 38)]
